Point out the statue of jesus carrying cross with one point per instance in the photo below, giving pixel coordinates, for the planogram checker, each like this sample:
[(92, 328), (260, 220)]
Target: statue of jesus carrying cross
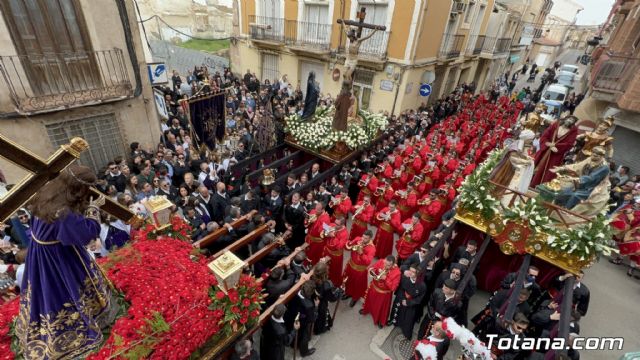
[(345, 101)]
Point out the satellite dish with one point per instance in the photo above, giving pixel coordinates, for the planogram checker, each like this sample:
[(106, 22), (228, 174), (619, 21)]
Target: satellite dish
[(428, 77)]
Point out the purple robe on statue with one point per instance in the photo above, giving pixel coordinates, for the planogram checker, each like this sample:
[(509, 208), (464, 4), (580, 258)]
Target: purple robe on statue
[(65, 300)]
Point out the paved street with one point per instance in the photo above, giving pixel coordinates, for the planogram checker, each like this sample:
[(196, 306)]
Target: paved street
[(567, 57), (613, 312)]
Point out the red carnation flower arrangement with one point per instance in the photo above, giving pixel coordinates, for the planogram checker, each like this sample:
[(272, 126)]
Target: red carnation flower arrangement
[(8, 312), (240, 305)]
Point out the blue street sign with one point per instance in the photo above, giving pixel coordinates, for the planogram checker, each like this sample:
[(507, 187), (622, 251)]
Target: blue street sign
[(425, 90)]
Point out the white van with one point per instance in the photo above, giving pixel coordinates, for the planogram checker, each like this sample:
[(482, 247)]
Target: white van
[(569, 68), (555, 92)]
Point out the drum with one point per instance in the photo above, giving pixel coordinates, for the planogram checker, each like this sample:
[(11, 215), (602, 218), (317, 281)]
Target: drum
[(629, 248)]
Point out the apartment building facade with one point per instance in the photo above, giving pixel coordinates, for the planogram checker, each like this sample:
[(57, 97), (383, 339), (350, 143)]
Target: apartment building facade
[(442, 43), (73, 68), (615, 81)]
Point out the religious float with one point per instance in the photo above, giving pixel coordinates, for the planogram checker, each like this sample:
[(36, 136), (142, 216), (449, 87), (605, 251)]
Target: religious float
[(169, 300), (336, 132), (528, 223)]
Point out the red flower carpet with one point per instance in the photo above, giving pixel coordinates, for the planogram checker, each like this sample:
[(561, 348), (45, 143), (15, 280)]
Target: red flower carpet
[(174, 304)]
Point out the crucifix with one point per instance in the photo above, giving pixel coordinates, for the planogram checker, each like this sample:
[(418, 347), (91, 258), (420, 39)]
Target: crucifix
[(354, 34), (346, 103), (42, 171)]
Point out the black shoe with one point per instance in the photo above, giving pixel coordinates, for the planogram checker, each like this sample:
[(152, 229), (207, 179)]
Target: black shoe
[(361, 311), (380, 326), (345, 297), (353, 302), (630, 272), (309, 353)]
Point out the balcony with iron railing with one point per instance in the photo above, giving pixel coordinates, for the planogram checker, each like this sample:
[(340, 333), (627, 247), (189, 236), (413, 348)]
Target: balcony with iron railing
[(451, 46), (502, 45), (264, 28), (308, 35), (55, 81), (475, 44), (613, 77), (372, 49)]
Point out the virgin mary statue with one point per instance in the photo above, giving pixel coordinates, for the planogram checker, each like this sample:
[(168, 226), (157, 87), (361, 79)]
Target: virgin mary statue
[(515, 170), (65, 301)]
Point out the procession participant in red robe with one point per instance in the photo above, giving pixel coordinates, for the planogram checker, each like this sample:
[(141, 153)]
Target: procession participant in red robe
[(407, 201), (432, 176), (455, 178), (408, 148), (411, 238), (453, 163), (355, 274), (368, 184), (469, 166), (377, 301), (417, 164), (385, 168), (397, 158), (341, 204), (335, 242), (430, 210), (389, 222), (315, 225), (554, 144), (400, 178), (384, 194), (362, 216)]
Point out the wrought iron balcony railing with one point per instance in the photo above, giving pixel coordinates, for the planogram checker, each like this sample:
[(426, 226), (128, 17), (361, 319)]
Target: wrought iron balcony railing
[(479, 44), (266, 28), (308, 34), (451, 46), (614, 73), (55, 81), (502, 45)]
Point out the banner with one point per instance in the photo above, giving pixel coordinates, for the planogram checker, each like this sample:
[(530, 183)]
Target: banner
[(208, 119)]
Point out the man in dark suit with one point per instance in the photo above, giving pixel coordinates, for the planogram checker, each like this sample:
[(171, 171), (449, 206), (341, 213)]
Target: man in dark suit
[(294, 216), (279, 282), (219, 202), (581, 294), (243, 350), (303, 307), (275, 336), (529, 283), (273, 204), (249, 201), (516, 327), (299, 264), (443, 303), (206, 200)]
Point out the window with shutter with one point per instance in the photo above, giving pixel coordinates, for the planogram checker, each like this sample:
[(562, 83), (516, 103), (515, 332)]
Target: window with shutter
[(54, 48)]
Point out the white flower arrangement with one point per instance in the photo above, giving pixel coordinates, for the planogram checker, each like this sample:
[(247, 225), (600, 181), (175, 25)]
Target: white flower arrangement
[(319, 134), (583, 241)]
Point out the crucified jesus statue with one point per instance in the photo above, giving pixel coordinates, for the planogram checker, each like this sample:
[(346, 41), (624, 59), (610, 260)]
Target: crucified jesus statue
[(355, 42)]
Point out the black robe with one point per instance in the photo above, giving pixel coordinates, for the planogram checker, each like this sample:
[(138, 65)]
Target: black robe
[(439, 307), (274, 339), (327, 293), (308, 314), (405, 316)]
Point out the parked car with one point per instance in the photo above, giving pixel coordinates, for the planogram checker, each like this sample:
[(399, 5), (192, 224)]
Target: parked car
[(555, 92), (566, 78), (553, 111), (569, 68)]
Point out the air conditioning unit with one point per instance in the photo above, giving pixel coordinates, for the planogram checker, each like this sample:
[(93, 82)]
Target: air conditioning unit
[(459, 7)]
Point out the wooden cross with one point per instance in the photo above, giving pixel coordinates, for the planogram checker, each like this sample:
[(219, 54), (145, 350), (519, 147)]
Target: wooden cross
[(42, 171), (360, 24)]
